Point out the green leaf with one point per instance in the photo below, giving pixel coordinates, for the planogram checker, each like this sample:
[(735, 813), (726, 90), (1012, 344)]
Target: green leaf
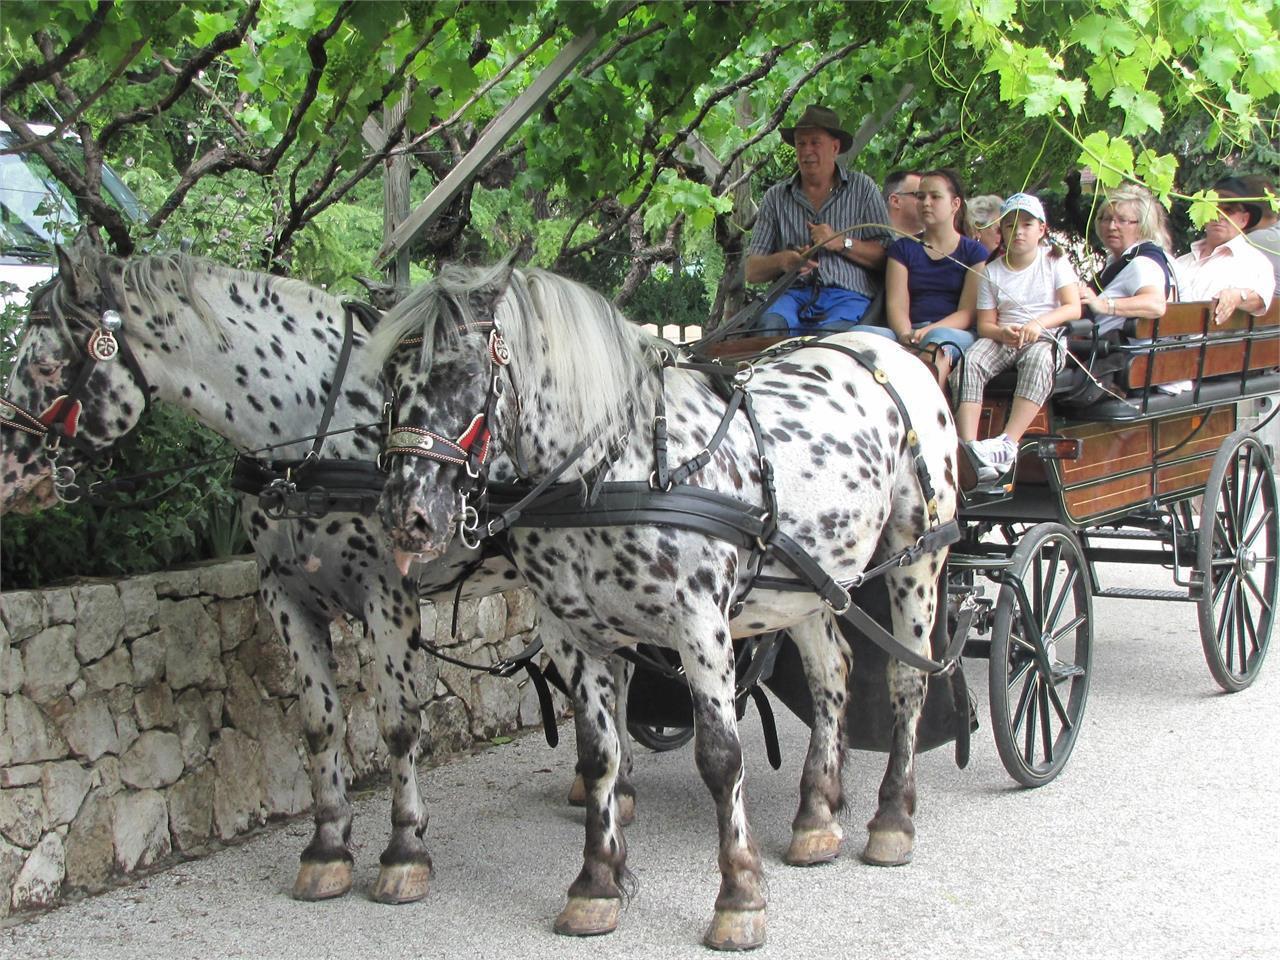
[(1157, 172), (499, 741), (1141, 110), (1204, 207), (209, 25), (299, 14), (1219, 64), (1110, 158), (1240, 102), (1091, 32)]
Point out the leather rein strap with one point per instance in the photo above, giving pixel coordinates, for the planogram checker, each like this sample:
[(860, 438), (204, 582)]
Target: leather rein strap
[(316, 485)]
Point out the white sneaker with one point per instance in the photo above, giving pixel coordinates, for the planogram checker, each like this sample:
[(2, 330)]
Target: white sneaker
[(997, 454)]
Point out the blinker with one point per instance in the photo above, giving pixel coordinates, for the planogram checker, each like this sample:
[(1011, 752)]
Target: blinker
[(63, 412)]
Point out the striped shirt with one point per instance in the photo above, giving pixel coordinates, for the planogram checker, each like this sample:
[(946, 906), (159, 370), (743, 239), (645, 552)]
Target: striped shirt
[(785, 215)]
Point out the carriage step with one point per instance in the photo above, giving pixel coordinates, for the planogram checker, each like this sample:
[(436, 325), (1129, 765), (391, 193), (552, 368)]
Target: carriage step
[(1143, 593), (1127, 533)]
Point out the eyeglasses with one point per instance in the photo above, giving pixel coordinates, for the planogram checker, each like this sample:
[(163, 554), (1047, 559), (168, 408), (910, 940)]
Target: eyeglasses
[(905, 193), (1110, 218)]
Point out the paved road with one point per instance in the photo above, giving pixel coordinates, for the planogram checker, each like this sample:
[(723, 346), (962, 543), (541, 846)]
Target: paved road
[(1161, 839)]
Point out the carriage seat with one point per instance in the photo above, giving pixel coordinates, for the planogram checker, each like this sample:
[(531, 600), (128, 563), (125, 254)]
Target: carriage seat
[(1211, 392)]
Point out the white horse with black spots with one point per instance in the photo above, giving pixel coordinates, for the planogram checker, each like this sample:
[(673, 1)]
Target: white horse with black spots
[(253, 357), (847, 491)]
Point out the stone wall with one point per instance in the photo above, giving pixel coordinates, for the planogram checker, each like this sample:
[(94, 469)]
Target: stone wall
[(155, 717)]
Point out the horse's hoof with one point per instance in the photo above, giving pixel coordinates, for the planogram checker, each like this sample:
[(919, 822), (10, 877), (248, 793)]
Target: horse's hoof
[(588, 916), (735, 930), (626, 809), (812, 847), (578, 792), (322, 881), (888, 848), (402, 883)]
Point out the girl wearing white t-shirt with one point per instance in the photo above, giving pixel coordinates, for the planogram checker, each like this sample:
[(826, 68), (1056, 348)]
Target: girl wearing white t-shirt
[(1029, 291)]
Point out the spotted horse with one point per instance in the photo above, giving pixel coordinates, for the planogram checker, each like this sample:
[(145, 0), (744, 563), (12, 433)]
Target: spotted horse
[(253, 357), (654, 511)]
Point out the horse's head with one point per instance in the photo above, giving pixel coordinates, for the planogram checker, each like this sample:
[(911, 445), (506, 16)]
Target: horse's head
[(450, 390), (76, 388)]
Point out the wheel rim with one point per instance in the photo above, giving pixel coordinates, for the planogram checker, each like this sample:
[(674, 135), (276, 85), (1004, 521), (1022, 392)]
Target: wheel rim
[(660, 738), (1240, 530), (1038, 701)]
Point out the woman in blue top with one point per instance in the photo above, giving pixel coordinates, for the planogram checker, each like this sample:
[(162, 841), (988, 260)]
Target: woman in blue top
[(931, 283)]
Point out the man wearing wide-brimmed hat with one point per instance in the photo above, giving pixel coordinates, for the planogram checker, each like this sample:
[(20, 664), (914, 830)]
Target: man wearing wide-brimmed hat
[(1224, 266), (818, 206)]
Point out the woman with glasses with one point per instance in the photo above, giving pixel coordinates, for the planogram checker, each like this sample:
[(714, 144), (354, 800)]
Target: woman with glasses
[(1137, 280)]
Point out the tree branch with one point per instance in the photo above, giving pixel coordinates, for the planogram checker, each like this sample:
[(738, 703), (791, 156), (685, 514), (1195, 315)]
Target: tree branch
[(664, 159), (480, 92), (220, 159), (83, 188), (36, 72), (780, 110), (223, 42)]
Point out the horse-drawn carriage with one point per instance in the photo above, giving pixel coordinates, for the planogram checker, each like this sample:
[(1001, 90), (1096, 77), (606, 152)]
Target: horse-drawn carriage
[(849, 422)]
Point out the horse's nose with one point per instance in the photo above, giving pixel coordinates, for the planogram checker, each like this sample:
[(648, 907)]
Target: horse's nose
[(417, 525)]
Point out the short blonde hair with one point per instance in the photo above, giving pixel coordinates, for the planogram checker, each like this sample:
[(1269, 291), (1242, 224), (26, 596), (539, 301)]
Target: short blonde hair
[(1153, 221), (983, 211)]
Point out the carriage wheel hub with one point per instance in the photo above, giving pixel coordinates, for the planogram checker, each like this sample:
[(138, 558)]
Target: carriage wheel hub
[(1248, 560)]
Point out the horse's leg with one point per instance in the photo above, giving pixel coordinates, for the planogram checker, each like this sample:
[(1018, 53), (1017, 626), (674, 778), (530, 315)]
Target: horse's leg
[(739, 920), (913, 595), (595, 897), (326, 862), (815, 832), (625, 788), (394, 622)]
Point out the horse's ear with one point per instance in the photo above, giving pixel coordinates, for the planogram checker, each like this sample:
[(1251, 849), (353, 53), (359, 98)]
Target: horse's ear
[(484, 300), (79, 280)]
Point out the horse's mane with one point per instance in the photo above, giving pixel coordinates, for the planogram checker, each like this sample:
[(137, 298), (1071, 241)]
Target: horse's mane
[(560, 333), (157, 284)]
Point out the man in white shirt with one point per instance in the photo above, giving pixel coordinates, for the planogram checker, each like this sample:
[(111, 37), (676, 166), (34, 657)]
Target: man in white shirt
[(1224, 265)]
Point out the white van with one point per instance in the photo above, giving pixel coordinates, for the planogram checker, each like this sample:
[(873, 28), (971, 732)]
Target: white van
[(37, 211)]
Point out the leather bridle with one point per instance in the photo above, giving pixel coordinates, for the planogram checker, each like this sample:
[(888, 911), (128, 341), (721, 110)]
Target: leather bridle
[(471, 449), (59, 423)]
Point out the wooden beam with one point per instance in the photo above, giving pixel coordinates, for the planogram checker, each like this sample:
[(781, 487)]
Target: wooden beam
[(491, 140)]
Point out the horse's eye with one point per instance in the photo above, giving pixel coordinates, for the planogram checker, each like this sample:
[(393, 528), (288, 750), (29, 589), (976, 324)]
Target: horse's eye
[(48, 370)]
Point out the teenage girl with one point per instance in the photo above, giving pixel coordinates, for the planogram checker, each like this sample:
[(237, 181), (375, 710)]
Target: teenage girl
[(931, 283)]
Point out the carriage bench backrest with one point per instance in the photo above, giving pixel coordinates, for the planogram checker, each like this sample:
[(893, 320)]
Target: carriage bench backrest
[(1187, 345)]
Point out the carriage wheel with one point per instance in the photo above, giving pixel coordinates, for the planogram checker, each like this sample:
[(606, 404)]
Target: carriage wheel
[(1041, 647), (1236, 561), (660, 739)]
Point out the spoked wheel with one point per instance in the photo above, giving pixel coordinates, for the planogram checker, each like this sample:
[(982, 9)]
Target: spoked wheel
[(1236, 561), (1041, 648), (660, 739)]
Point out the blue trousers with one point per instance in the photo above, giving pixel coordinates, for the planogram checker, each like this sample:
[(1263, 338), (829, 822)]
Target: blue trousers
[(799, 311), (953, 341)]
